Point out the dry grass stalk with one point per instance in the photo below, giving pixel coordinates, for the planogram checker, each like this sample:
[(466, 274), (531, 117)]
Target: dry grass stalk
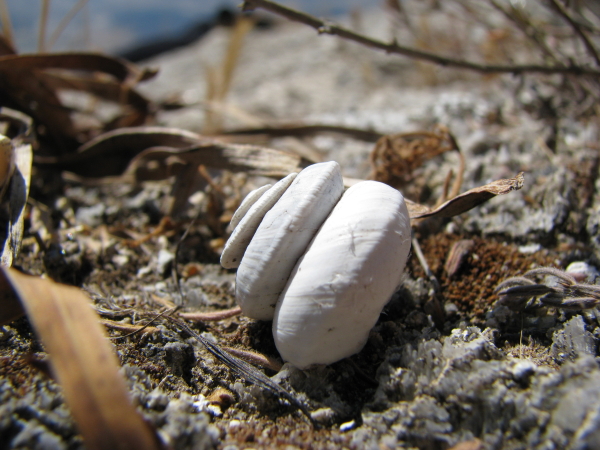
[(128, 328), (219, 80), (7, 28), (65, 22), (44, 13), (211, 316)]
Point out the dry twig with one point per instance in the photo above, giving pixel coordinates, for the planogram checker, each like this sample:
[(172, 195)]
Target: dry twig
[(393, 47), (562, 11)]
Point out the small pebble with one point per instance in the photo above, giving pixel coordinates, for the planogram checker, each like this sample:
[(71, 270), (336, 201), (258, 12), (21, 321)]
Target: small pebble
[(582, 271), (200, 403), (347, 426), (120, 260), (165, 258), (234, 424), (323, 415), (522, 370), (531, 248)]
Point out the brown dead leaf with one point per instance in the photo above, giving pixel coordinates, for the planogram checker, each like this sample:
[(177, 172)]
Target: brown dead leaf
[(144, 153), (251, 159), (111, 153), (82, 360), (116, 67), (32, 84), (468, 200)]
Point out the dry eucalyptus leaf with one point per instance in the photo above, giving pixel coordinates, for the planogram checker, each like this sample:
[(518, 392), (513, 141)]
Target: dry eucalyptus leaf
[(82, 360), (467, 200)]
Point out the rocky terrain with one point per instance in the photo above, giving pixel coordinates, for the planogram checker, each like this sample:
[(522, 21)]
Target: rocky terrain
[(448, 365)]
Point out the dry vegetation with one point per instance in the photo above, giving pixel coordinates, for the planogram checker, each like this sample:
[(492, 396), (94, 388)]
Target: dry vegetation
[(80, 130)]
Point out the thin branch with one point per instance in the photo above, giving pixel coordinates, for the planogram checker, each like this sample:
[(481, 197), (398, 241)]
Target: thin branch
[(394, 48), (526, 27), (561, 10)]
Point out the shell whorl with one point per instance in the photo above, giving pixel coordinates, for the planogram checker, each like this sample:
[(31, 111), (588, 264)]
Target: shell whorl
[(321, 264), (349, 272), (283, 236)]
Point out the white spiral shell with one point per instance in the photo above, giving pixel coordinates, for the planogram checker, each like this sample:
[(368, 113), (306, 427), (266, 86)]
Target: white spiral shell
[(323, 267)]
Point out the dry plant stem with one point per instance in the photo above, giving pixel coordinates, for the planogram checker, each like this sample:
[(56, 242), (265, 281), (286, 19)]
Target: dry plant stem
[(424, 265), (127, 327), (394, 48), (255, 358), (325, 27), (163, 301), (64, 22), (206, 175), (524, 25), (43, 25), (561, 10), (211, 316), (243, 369), (175, 272), (165, 224), (309, 130), (219, 80), (7, 28)]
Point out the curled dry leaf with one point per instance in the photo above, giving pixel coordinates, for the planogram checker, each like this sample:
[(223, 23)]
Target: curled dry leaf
[(17, 157), (251, 159), (468, 200), (109, 154), (33, 84), (81, 357), (129, 152), (150, 153)]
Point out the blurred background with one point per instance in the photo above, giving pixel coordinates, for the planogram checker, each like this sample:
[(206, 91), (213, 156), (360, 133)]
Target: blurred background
[(118, 26)]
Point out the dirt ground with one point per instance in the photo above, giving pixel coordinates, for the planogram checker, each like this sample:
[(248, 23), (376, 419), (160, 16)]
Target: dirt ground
[(447, 363)]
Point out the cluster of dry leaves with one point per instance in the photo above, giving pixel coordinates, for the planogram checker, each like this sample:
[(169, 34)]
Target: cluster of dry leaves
[(49, 131)]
